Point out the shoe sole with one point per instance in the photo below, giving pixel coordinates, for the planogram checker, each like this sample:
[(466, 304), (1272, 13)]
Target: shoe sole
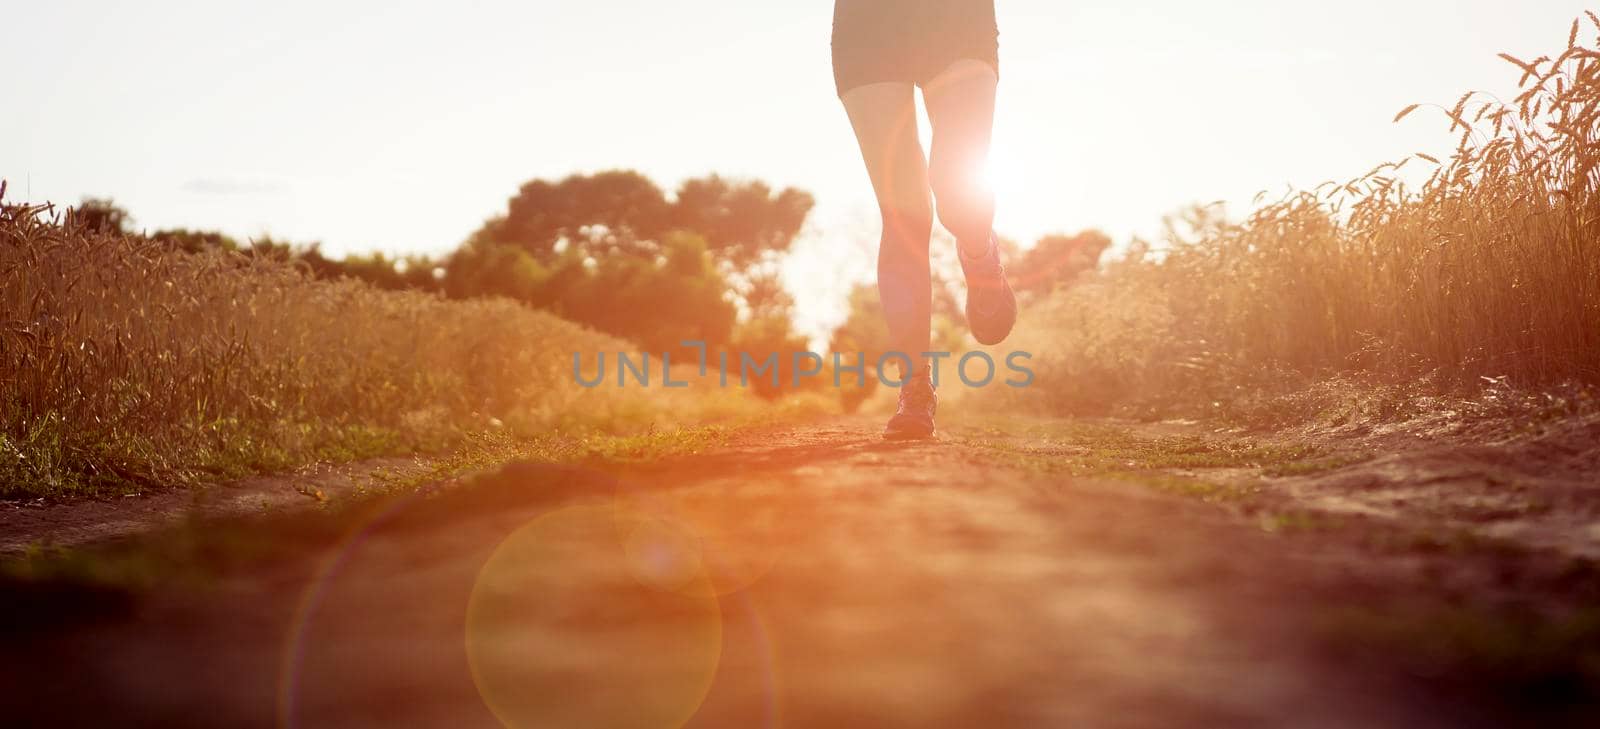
[(994, 341), (907, 435), (991, 341)]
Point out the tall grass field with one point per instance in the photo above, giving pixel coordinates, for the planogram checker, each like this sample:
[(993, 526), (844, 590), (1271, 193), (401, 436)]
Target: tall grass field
[(127, 363), (1490, 270)]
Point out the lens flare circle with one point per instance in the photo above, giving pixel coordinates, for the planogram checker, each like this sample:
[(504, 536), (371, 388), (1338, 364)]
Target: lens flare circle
[(291, 661), (737, 541), (594, 616)]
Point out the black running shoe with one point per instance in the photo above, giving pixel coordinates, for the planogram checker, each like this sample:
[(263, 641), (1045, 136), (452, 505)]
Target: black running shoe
[(991, 306), (914, 418)]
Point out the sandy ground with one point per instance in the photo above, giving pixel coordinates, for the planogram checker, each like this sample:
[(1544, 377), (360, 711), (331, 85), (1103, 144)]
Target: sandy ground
[(810, 576)]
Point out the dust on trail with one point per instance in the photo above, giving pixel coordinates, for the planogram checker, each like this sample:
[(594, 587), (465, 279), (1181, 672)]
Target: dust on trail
[(852, 583)]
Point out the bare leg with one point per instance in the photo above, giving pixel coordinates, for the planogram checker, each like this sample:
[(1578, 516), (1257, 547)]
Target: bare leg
[(961, 109), (884, 116)]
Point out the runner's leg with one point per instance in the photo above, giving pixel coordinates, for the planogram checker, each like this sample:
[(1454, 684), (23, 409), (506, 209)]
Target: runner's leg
[(884, 116), (961, 109)]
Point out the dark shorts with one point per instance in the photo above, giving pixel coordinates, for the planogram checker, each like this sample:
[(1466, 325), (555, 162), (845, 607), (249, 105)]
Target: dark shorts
[(909, 40)]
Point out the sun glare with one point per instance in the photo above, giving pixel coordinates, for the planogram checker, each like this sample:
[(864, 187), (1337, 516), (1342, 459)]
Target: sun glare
[(1005, 175), (989, 172)]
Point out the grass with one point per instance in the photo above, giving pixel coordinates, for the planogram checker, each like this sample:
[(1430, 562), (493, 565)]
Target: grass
[(1483, 273), (1173, 464), (1216, 492), (1091, 448), (486, 452), (1315, 465), (197, 551), (128, 364)]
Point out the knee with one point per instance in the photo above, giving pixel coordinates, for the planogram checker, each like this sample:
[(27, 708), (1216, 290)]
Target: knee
[(964, 207), (908, 224)]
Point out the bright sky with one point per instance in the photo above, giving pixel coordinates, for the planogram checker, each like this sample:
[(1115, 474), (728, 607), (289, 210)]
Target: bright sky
[(402, 125)]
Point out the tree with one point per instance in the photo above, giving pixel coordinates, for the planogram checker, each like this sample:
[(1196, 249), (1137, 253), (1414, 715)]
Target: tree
[(862, 333), (610, 250), (480, 268), (656, 302), (622, 211), (1058, 259), (768, 328), (397, 273), (195, 241), (100, 215), (742, 222), (597, 213)]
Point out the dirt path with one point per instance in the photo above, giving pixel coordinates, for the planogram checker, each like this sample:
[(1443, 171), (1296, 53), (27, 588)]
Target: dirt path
[(41, 525), (799, 577)]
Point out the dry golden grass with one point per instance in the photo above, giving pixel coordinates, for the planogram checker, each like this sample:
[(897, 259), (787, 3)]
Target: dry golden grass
[(1490, 270), (126, 363)]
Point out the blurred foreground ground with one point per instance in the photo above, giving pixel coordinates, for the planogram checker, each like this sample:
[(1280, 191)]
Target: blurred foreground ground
[(1032, 575)]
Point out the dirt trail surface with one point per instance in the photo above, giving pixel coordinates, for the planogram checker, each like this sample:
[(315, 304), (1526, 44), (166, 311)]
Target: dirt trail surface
[(811, 576), (37, 524)]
